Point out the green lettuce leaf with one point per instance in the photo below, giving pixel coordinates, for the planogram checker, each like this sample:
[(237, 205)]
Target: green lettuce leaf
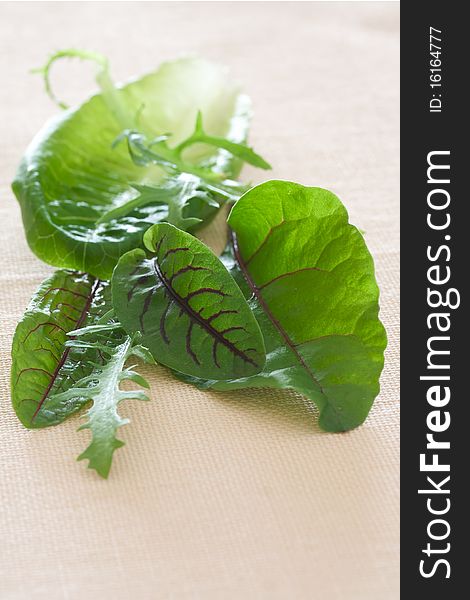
[(190, 312), (311, 283), (71, 178)]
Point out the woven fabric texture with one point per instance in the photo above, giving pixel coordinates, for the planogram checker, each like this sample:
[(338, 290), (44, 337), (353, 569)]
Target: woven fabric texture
[(215, 496)]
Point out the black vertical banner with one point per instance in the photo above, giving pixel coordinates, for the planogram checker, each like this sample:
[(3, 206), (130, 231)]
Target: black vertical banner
[(435, 329)]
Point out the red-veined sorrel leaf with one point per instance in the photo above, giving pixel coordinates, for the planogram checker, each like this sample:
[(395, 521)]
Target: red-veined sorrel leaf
[(43, 367), (190, 312), (69, 351), (311, 283)]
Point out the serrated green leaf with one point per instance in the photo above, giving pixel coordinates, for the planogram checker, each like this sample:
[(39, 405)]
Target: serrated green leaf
[(103, 418), (241, 151), (190, 312), (312, 286), (68, 351)]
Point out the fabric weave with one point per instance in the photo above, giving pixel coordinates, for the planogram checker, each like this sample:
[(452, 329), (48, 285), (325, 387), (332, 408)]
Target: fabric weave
[(214, 495)]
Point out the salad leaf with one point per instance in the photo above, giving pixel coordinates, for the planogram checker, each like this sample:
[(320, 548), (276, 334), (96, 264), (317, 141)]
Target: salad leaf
[(103, 387), (71, 178), (44, 369), (117, 183), (68, 351), (241, 151), (191, 314), (310, 280), (187, 184)]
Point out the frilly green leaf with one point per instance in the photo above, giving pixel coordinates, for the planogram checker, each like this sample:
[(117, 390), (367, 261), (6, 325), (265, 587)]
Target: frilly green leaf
[(103, 417)]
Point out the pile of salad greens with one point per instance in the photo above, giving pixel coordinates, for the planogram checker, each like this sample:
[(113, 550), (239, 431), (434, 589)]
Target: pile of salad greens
[(112, 193)]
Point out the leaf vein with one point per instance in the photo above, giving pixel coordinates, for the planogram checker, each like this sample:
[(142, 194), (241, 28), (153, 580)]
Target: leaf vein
[(183, 302)]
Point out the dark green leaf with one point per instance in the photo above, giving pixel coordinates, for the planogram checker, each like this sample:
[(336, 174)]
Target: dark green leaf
[(311, 281), (44, 370), (192, 315), (68, 351)]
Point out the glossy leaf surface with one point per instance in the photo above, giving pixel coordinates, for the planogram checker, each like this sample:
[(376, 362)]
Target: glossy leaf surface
[(71, 178), (190, 312), (44, 370), (68, 351), (312, 286)]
